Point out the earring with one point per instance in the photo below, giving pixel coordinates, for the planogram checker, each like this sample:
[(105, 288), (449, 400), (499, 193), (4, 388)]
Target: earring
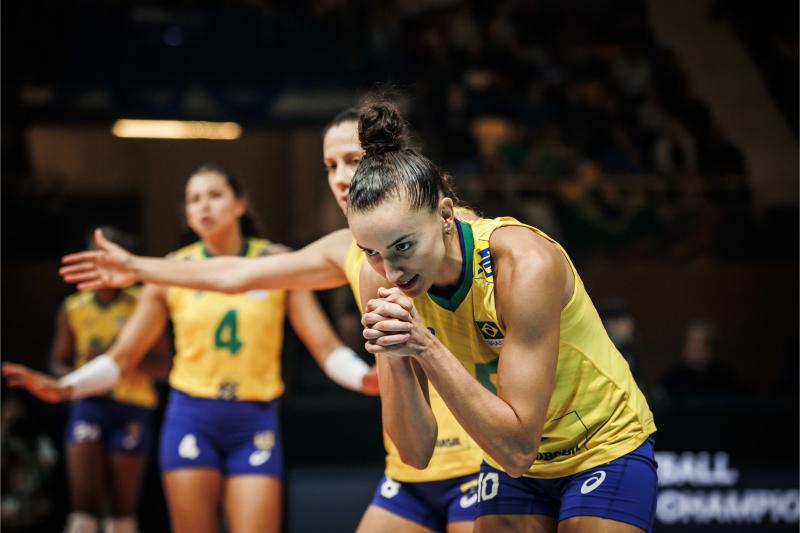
[(447, 228)]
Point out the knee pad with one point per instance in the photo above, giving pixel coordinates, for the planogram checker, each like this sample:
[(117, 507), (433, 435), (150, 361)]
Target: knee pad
[(120, 524), (79, 522)]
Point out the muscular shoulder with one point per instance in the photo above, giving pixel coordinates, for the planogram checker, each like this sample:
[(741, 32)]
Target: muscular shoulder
[(527, 263), (520, 246)]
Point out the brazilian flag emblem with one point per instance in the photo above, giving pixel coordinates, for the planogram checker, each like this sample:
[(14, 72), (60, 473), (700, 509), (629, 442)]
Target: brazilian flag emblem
[(490, 333)]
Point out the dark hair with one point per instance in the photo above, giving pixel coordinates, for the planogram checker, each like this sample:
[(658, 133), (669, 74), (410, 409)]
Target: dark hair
[(247, 223), (348, 115), (390, 167)]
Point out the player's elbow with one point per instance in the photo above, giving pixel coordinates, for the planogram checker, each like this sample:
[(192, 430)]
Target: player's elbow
[(419, 458), (518, 462), (519, 466)]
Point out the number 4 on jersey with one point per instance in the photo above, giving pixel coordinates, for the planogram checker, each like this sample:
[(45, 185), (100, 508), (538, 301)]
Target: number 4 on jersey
[(225, 335)]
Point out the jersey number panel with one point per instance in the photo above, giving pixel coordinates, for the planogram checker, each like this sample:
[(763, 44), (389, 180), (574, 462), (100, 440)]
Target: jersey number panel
[(226, 336)]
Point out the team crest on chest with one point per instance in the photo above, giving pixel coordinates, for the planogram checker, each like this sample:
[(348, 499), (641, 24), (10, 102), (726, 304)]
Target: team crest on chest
[(491, 333)]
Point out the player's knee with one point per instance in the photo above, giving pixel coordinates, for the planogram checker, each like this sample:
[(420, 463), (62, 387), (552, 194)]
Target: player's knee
[(80, 522)]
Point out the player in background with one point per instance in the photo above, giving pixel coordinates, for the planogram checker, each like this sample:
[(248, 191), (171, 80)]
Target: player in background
[(220, 443), (107, 437)]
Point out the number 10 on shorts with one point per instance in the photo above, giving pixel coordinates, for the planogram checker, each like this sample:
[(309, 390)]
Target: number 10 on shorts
[(488, 486)]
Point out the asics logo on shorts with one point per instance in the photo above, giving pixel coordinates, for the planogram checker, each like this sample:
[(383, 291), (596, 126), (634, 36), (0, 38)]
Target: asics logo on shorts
[(390, 488), (593, 482), (259, 457), (188, 447)]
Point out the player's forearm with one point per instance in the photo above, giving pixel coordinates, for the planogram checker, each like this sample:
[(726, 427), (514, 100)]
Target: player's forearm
[(407, 415), (488, 419), (312, 326), (220, 274)]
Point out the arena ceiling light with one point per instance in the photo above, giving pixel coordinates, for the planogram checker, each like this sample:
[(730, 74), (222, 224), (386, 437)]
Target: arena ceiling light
[(176, 129)]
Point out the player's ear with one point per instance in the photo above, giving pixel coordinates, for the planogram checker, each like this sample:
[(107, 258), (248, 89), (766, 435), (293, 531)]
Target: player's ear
[(446, 210), (242, 206)]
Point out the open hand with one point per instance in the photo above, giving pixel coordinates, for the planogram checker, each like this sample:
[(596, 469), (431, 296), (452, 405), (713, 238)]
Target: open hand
[(44, 387), (107, 267)]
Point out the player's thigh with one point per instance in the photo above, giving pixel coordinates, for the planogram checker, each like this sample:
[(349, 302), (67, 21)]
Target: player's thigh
[(379, 520), (193, 497), (253, 503), (515, 523), (460, 527), (127, 470), (595, 524), (87, 475)]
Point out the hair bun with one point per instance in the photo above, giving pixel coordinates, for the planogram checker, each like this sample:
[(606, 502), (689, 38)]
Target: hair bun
[(381, 128)]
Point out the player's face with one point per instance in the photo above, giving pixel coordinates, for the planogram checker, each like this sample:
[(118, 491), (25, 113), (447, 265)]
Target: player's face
[(404, 245), (341, 153), (212, 207)]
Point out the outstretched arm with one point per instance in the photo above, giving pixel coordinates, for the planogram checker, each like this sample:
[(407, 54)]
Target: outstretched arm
[(316, 266), (140, 332)]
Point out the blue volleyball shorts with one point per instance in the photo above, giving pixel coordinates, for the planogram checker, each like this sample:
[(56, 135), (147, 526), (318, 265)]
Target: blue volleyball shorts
[(624, 490), (120, 427), (432, 504), (233, 436)]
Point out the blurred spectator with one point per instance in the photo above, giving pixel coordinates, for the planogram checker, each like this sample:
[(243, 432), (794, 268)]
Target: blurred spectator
[(28, 460), (699, 373), (621, 327)]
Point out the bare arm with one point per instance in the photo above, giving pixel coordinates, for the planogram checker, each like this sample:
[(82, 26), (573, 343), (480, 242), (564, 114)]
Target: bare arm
[(508, 425), (320, 265), (405, 406), (311, 324), (62, 352), (140, 332)]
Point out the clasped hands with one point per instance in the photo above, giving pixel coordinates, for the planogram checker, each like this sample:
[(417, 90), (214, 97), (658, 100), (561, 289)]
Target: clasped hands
[(392, 326)]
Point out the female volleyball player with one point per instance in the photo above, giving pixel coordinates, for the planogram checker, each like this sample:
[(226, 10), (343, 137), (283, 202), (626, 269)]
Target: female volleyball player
[(107, 438), (220, 443), (494, 314), (408, 498)]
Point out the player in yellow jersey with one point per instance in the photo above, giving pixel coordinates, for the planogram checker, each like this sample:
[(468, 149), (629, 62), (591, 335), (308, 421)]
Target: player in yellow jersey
[(408, 498), (220, 443), (495, 316), (107, 437)]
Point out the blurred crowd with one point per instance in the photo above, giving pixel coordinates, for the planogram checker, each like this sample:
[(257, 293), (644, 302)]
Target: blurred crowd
[(529, 102)]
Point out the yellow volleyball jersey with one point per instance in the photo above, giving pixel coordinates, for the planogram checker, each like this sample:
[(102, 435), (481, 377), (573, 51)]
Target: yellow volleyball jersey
[(596, 413), (455, 454), (227, 346), (95, 327)]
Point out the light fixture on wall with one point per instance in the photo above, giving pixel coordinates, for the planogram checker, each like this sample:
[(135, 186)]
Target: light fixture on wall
[(176, 129)]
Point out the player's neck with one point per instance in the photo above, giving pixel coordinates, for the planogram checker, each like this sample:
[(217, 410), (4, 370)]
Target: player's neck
[(450, 270), (228, 243)]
